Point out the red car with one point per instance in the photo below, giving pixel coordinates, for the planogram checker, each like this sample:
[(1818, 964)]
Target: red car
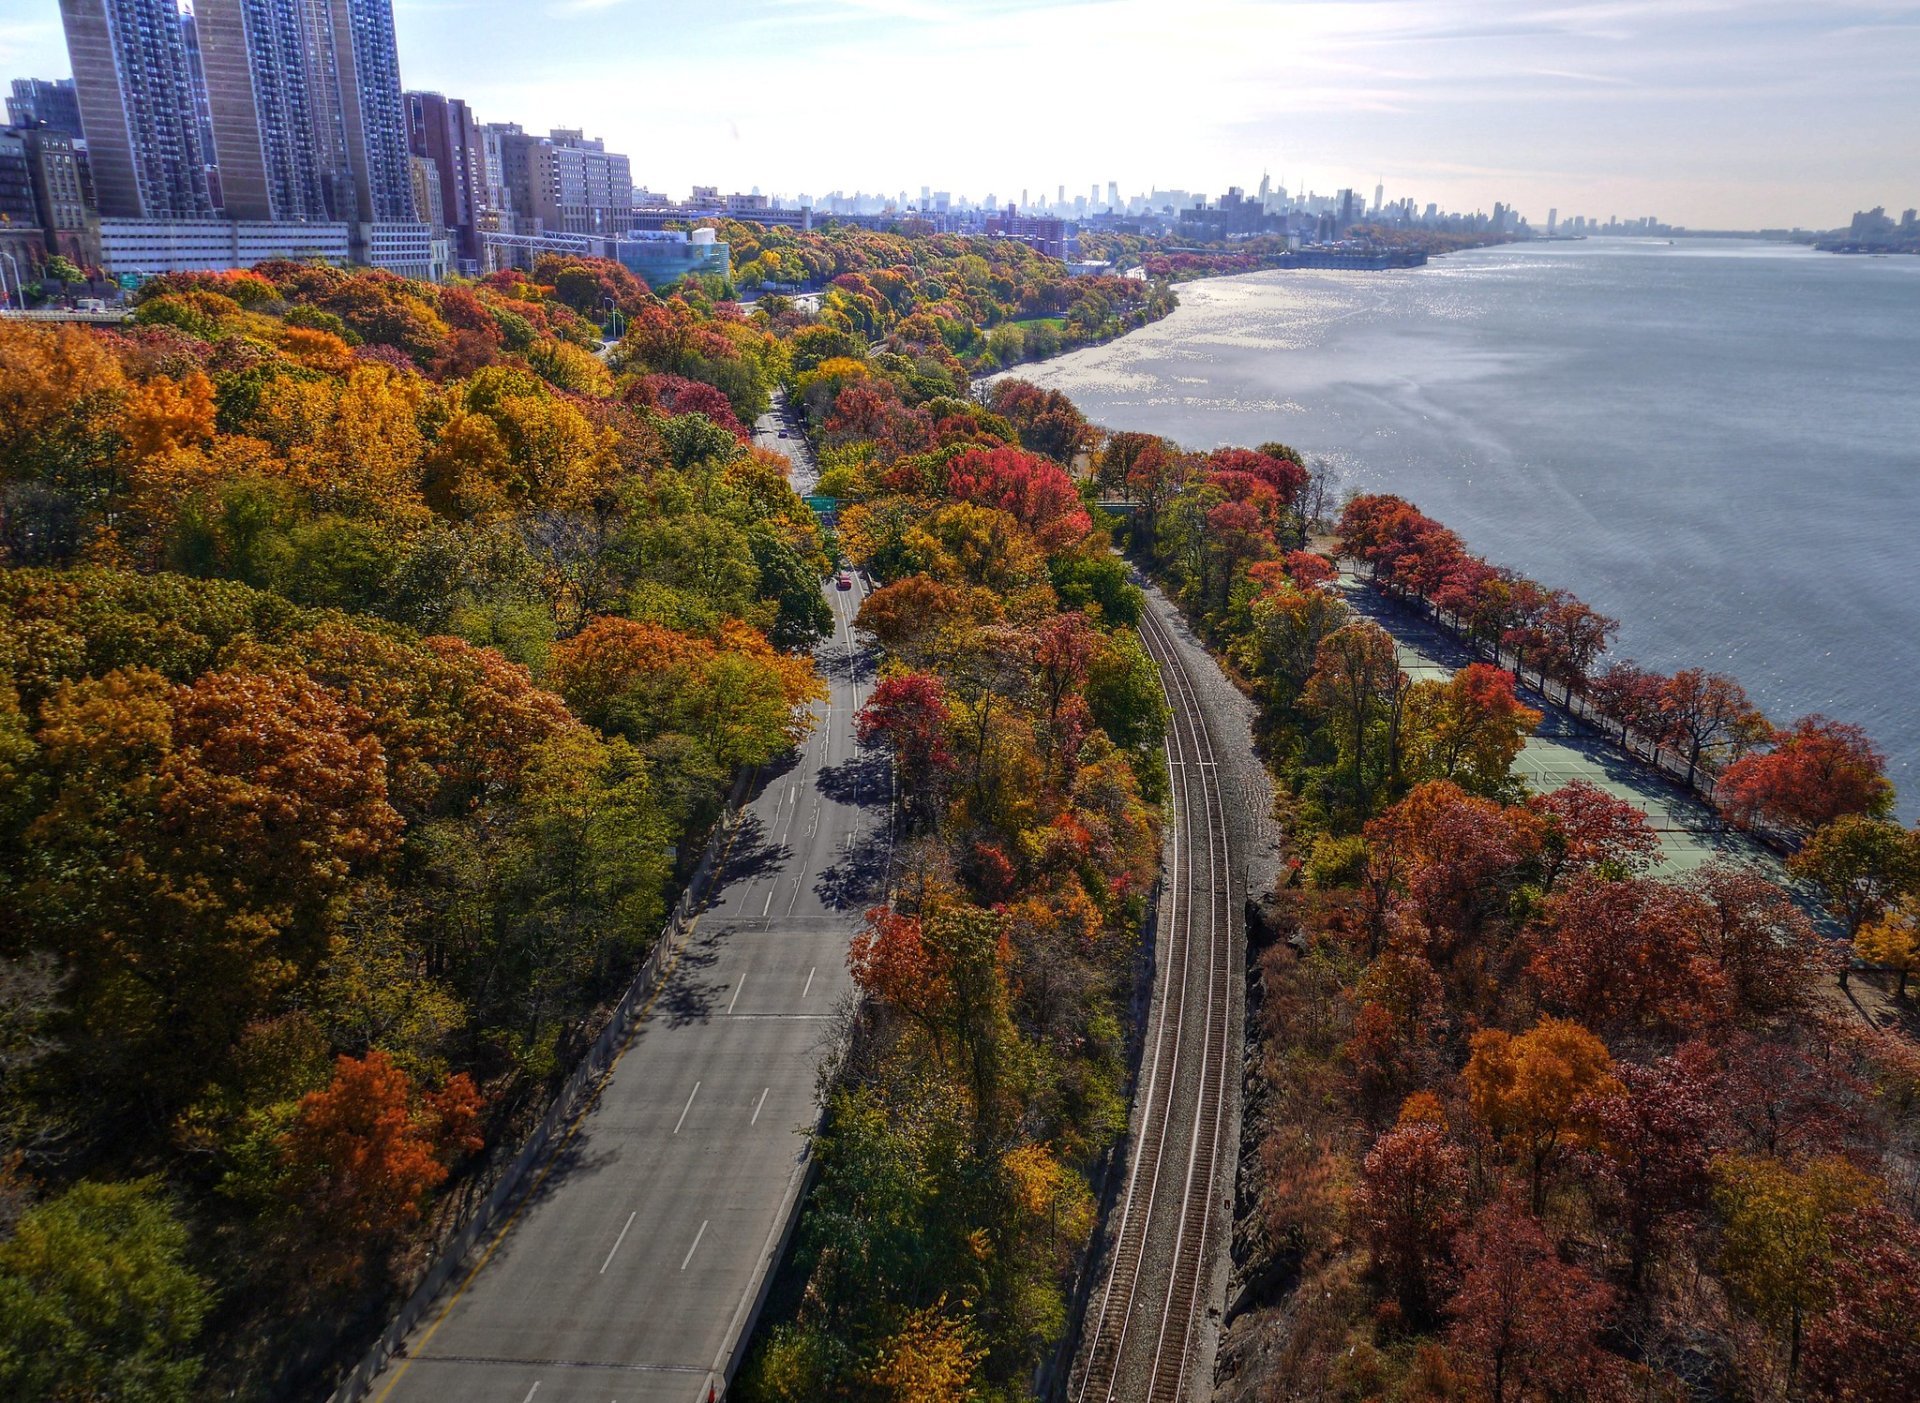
[(846, 580)]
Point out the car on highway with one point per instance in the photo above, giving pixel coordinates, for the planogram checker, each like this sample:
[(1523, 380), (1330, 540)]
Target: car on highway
[(845, 581), (785, 434)]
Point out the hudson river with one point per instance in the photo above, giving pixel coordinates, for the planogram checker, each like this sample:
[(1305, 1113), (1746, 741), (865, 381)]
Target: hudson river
[(1718, 443)]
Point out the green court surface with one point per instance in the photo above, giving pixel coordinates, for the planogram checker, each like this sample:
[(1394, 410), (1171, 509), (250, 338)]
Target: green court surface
[(1563, 750)]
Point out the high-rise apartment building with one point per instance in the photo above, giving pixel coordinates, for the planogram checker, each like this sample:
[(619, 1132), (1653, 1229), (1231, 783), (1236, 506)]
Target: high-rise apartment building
[(443, 130), (39, 102), (136, 105), (308, 119)]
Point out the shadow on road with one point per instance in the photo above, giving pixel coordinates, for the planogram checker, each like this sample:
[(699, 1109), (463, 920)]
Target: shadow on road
[(858, 879), (861, 782)]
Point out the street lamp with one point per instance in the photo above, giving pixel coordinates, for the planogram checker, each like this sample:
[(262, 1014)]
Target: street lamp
[(20, 291), (614, 316)]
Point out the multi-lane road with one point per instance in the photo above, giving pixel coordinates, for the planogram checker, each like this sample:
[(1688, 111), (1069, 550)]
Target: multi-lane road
[(630, 1272)]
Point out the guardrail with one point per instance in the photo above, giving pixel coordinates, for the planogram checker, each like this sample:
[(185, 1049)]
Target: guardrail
[(63, 314), (564, 1112)]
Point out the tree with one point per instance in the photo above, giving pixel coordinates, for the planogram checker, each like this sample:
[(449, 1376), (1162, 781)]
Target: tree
[(929, 1359), (1777, 1238), (1412, 1193), (1590, 830), (1863, 1344), (1468, 729), (1755, 932), (910, 712), (1861, 865), (1815, 772), (96, 1300), (1357, 685), (1893, 941), (1539, 1091), (1626, 952), (1629, 696), (1036, 492), (1707, 715), (1525, 1322), (1655, 1143), (361, 1156)]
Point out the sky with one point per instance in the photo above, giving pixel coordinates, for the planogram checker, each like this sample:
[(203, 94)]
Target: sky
[(1708, 113)]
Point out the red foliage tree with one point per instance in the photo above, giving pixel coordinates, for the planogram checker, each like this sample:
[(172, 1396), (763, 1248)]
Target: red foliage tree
[(1034, 491), (1588, 828), (1412, 1192), (1525, 1322), (1815, 772), (1656, 1141), (909, 711), (1863, 1345), (362, 1155), (1626, 952)]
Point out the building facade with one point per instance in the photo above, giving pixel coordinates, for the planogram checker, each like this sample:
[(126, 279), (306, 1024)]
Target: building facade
[(254, 56), (136, 105), (45, 102), (444, 131), (566, 183)]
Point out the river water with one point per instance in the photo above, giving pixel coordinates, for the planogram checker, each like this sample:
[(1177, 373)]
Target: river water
[(1716, 442)]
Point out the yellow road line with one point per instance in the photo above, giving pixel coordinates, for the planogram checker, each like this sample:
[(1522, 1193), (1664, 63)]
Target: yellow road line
[(553, 1155)]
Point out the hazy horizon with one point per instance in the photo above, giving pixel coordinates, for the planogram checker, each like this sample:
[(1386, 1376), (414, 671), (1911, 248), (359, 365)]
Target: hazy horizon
[(1710, 113)]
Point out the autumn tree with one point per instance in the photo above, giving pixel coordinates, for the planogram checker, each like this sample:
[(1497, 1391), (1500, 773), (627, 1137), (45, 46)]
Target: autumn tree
[(1655, 1141), (361, 1155), (1765, 948), (1860, 865), (1893, 941), (1863, 1343), (1525, 1322), (1357, 685), (911, 713), (930, 1359), (1590, 830), (1777, 1237), (1539, 1092), (1708, 718), (1814, 772), (1468, 729), (1410, 1201), (1626, 953)]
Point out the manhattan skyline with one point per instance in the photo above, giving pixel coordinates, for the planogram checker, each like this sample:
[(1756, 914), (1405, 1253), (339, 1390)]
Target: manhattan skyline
[(1712, 113)]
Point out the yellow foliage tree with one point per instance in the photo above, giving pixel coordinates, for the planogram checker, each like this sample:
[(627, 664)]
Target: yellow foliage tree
[(1534, 1092), (930, 1359)]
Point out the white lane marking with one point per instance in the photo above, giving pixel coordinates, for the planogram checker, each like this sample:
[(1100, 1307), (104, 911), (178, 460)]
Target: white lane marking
[(794, 900), (696, 1242), (810, 973), (759, 1108), (617, 1241), (688, 1107), (736, 993), (767, 905), (530, 1392)]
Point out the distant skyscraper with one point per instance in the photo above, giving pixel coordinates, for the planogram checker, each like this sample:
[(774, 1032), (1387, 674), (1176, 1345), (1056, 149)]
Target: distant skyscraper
[(36, 100), (1113, 193), (136, 104), (1379, 197)]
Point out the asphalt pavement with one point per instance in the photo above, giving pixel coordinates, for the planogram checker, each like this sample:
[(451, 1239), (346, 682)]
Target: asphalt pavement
[(632, 1271)]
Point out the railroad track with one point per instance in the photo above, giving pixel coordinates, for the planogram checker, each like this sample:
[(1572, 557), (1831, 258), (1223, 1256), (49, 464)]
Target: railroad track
[(1144, 1319)]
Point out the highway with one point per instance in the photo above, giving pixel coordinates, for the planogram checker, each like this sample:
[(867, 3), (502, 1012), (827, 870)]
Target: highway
[(1148, 1328), (631, 1271)]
